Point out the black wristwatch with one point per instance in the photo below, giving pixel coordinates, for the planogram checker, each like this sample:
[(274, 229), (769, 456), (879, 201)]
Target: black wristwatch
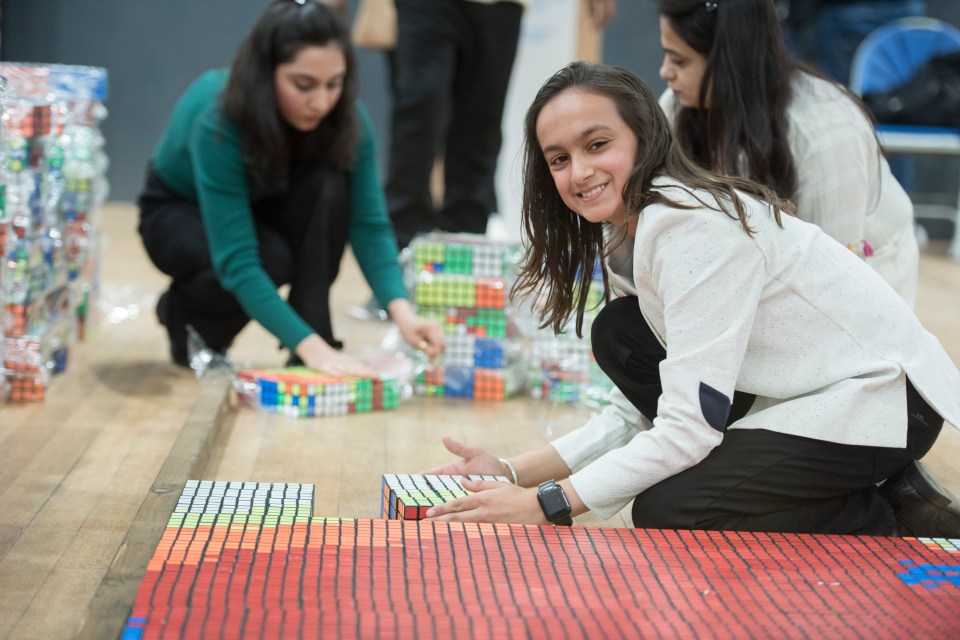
[(554, 503)]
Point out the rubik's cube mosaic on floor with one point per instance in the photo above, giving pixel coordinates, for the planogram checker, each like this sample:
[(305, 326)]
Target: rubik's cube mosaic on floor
[(301, 392), (246, 560)]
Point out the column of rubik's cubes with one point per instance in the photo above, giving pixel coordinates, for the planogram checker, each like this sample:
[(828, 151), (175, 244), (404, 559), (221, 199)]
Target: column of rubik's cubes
[(463, 282), (562, 367), (52, 183), (408, 497), (303, 393)]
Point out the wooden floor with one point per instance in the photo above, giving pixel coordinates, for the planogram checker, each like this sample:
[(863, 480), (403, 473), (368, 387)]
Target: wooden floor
[(88, 478)]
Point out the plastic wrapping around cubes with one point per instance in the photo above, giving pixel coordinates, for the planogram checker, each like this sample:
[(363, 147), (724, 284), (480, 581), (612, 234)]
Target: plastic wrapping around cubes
[(471, 382), (52, 185), (463, 282), (300, 392), (464, 254), (409, 497), (37, 337), (51, 125), (561, 368), (28, 362), (80, 91)]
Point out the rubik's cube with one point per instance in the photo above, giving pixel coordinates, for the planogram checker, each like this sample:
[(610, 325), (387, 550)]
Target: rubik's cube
[(463, 281), (300, 392), (455, 290), (464, 254), (483, 323), (562, 367), (408, 497), (470, 382), (559, 366), (26, 377), (35, 344)]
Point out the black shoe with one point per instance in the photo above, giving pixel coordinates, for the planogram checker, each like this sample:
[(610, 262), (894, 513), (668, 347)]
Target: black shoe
[(294, 361), (176, 330), (923, 508)]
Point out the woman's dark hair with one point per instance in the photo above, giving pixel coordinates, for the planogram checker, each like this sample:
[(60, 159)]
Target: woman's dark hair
[(270, 145), (748, 78), (562, 247)]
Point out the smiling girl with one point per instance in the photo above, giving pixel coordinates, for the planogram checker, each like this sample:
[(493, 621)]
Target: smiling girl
[(766, 378), (263, 175)]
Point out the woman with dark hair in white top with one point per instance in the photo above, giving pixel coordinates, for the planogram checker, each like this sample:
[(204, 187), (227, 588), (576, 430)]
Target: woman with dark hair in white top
[(741, 106), (766, 378)]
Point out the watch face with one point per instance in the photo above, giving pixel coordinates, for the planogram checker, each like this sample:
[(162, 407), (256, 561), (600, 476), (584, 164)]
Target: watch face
[(553, 501)]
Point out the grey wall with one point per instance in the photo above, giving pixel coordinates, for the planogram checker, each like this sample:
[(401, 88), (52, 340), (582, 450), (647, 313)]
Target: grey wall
[(154, 48), (151, 49)]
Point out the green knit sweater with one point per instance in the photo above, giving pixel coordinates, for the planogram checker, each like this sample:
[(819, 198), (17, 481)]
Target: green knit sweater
[(199, 157)]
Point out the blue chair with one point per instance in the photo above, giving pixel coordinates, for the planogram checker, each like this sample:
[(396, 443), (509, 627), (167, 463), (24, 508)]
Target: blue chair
[(889, 57)]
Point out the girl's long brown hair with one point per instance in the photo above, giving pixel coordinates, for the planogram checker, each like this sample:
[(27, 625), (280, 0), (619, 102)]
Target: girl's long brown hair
[(562, 247)]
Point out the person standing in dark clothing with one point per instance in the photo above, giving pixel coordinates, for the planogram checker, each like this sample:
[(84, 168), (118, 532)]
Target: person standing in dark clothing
[(450, 70)]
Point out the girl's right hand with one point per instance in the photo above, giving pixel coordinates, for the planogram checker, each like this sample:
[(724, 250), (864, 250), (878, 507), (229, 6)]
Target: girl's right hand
[(473, 461), (319, 355)]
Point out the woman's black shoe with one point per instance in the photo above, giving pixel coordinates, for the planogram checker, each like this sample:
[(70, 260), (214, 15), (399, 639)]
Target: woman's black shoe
[(176, 330), (923, 508)]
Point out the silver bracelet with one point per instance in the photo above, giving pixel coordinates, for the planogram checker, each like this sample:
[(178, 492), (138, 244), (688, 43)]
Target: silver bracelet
[(513, 471)]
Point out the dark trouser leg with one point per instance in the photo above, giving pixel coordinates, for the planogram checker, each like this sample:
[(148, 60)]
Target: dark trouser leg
[(630, 355), (923, 507), (316, 225), (755, 480), (488, 45), (175, 240), (759, 480), (423, 65)]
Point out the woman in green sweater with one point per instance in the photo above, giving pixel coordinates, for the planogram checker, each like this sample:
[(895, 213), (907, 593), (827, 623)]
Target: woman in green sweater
[(263, 175)]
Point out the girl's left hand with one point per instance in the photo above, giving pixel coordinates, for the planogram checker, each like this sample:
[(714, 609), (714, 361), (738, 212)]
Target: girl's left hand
[(491, 502), (419, 333)]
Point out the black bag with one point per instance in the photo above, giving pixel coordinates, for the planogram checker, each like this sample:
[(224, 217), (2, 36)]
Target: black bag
[(931, 97)]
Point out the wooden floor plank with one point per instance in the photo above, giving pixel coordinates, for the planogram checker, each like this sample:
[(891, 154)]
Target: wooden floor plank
[(187, 459), (110, 478)]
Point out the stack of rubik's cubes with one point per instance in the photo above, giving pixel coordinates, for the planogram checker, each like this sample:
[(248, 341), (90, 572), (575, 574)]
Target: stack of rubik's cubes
[(463, 282), (299, 392), (52, 183), (409, 497), (562, 368)]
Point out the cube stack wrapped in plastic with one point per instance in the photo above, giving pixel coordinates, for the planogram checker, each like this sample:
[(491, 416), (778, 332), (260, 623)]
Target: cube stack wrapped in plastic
[(300, 392), (52, 185), (409, 497), (463, 282), (562, 368)]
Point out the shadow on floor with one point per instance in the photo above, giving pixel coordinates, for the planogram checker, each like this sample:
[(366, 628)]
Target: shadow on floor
[(142, 378)]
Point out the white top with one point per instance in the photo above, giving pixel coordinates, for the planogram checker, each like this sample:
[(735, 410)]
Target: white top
[(844, 184), (786, 314)]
